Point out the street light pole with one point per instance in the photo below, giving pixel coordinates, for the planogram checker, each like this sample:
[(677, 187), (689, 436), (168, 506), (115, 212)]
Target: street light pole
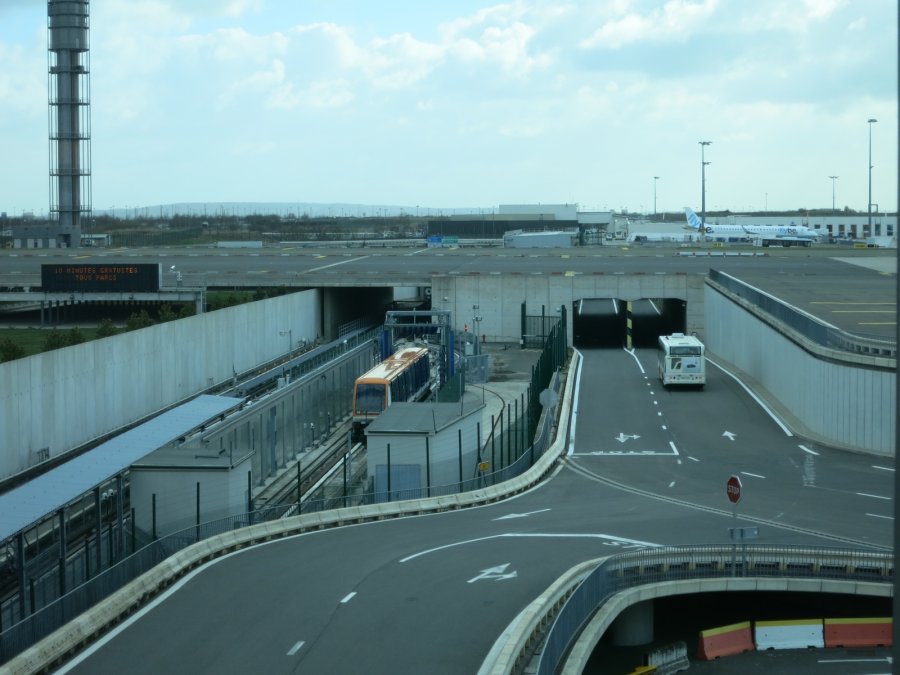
[(871, 121), (290, 333), (833, 178), (703, 164), (655, 178)]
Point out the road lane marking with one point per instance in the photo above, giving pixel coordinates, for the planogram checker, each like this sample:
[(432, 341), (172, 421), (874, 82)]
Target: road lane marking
[(519, 515), (754, 475), (883, 468), (805, 449), (876, 515), (864, 494), (347, 598), (335, 264), (497, 573), (296, 648)]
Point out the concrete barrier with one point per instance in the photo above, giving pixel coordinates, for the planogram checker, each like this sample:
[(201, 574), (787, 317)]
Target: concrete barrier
[(794, 634), (728, 640), (871, 632)]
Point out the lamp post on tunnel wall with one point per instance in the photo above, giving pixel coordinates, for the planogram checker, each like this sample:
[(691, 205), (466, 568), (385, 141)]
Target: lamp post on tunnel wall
[(290, 333)]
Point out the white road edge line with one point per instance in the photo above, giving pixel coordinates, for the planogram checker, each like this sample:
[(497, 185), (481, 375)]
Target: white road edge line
[(574, 416), (805, 449), (754, 397), (876, 515), (883, 468), (864, 494)]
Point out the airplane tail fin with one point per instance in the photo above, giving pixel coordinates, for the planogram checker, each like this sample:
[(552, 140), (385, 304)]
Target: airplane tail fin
[(693, 220)]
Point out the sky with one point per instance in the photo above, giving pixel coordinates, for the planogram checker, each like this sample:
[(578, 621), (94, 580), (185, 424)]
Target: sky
[(467, 104)]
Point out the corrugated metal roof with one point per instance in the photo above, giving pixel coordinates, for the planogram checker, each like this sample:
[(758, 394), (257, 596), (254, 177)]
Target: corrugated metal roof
[(30, 503), (421, 418)]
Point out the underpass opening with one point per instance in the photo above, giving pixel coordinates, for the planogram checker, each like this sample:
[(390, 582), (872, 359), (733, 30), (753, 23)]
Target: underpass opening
[(603, 323)]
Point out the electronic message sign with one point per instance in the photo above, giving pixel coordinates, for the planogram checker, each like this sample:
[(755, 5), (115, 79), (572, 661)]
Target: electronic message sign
[(106, 277)]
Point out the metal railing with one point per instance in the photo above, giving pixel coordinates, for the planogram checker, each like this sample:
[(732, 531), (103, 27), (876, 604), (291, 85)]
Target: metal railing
[(678, 563)]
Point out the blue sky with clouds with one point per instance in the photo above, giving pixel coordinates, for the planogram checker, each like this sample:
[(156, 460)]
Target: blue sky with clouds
[(466, 103)]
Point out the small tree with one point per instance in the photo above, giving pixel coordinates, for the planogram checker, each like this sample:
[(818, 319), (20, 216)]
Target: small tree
[(138, 320), (74, 336), (10, 351), (106, 328), (55, 339)]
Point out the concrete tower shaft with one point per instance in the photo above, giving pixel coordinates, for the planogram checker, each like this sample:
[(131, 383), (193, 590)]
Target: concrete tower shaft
[(70, 117)]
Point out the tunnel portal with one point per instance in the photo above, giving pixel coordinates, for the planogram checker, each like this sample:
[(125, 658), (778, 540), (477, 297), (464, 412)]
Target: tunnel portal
[(604, 322)]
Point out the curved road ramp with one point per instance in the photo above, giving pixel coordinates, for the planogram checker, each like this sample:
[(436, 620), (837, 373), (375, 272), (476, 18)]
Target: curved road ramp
[(559, 629)]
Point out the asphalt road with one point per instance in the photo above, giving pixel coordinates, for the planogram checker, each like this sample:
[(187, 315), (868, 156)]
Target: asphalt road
[(432, 593)]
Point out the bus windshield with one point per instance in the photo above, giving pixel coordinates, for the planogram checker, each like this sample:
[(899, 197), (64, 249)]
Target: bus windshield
[(690, 350)]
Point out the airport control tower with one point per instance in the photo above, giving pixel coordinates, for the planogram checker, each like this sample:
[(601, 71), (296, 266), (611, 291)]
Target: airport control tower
[(70, 118)]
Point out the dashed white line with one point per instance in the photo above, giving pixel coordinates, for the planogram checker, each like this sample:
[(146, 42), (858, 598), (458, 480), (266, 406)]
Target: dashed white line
[(882, 468), (296, 648), (753, 475), (672, 484), (805, 449), (875, 515), (347, 598), (864, 494)]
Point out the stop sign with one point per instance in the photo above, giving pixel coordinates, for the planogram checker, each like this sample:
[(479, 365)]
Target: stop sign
[(733, 489)]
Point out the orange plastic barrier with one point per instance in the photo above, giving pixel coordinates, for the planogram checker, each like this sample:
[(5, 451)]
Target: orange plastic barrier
[(725, 641), (872, 632)]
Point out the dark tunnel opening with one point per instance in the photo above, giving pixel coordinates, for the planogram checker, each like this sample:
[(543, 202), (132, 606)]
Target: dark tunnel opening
[(604, 322)]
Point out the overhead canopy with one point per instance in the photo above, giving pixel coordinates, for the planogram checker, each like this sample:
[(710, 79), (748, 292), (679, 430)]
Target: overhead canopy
[(46, 494)]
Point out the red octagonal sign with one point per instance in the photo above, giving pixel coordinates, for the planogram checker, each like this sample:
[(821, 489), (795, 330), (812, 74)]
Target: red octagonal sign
[(733, 489)]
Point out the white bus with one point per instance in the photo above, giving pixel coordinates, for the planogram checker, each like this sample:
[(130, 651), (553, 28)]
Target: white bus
[(681, 360)]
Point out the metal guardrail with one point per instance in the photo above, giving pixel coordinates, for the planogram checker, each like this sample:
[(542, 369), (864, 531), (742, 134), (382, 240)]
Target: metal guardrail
[(677, 563), (811, 328)]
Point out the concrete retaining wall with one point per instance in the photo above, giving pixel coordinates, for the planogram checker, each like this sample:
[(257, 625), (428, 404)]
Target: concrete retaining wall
[(845, 403), (59, 400), (500, 297)]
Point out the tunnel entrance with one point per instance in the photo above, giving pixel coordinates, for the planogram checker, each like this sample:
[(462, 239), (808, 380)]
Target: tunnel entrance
[(603, 322)]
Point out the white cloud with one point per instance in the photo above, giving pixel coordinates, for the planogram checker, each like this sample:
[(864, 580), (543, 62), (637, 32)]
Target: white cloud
[(677, 20)]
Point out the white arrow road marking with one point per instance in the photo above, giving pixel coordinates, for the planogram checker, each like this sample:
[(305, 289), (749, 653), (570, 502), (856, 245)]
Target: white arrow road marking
[(519, 515), (497, 573), (728, 435), (607, 540), (622, 437)]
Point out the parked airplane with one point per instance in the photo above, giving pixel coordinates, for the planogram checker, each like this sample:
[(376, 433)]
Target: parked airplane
[(786, 235)]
